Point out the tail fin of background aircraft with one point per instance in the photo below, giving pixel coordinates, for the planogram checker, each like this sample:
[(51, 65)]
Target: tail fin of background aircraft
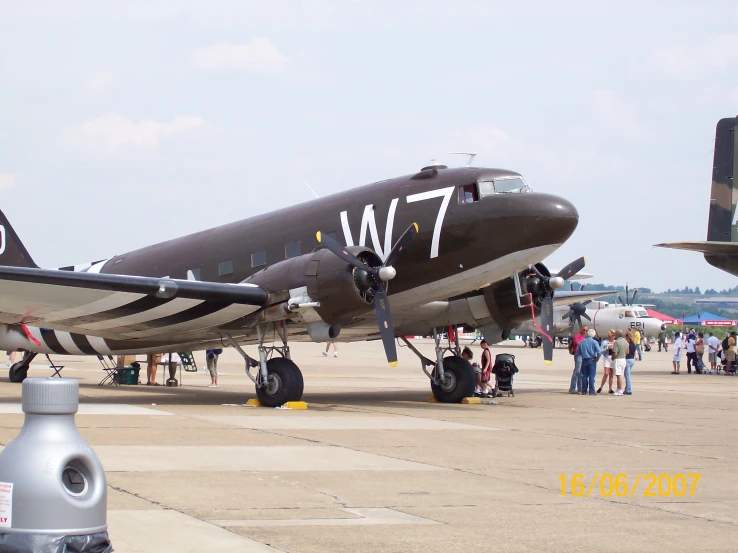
[(721, 226), (12, 251)]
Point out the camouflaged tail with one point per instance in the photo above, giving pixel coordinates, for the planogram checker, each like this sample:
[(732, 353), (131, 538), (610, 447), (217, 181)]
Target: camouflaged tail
[(722, 226)]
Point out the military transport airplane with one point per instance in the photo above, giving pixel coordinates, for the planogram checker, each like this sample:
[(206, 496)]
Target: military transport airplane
[(460, 246), (721, 247)]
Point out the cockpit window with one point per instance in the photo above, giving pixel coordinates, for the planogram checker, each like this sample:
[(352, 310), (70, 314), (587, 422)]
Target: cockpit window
[(629, 313), (641, 313), (505, 185)]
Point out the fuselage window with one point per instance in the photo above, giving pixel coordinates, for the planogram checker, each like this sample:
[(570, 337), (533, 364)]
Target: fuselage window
[(259, 258), (468, 194), (225, 267), (292, 249)]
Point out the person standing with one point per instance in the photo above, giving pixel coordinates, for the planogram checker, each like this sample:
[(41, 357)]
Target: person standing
[(590, 352), (699, 351), (662, 341), (713, 348), (606, 347), (486, 374), (691, 353), (630, 358), (211, 359), (637, 341), (575, 386), (730, 355), (328, 347), (676, 359), (619, 351), (152, 362)]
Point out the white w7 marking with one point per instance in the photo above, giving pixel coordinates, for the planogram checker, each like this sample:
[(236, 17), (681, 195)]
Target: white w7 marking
[(445, 193), (2, 239), (368, 221)]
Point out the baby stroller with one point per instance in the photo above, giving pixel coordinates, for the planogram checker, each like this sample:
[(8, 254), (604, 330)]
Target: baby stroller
[(504, 369)]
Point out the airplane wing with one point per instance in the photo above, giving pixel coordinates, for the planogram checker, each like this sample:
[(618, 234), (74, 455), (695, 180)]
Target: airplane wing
[(119, 306), (714, 248), (566, 297)]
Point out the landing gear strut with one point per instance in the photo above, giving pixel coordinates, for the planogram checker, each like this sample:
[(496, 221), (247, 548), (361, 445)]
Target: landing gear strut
[(452, 378), (19, 371), (278, 379)]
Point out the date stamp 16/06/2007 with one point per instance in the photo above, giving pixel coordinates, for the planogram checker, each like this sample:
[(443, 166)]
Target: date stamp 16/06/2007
[(623, 485)]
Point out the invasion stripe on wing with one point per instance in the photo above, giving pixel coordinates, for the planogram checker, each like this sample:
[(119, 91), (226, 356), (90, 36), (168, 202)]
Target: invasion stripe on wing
[(49, 337), (138, 306)]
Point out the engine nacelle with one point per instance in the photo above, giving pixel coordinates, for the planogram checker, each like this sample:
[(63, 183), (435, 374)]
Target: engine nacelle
[(342, 291), (502, 302)]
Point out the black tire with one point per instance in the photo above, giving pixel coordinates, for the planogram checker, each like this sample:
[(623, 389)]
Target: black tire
[(460, 381), (285, 383), (18, 372)]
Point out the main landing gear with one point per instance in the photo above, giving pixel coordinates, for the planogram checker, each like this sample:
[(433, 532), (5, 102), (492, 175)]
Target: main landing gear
[(278, 380), (452, 378), (19, 371)]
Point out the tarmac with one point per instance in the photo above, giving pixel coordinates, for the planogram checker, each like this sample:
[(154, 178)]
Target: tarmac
[(372, 466)]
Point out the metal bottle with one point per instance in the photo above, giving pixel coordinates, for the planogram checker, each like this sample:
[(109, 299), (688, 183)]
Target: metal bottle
[(52, 485)]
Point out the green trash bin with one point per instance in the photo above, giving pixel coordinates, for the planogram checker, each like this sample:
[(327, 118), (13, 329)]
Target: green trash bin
[(127, 375)]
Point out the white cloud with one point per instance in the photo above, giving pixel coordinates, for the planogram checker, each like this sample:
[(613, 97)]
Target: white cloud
[(718, 53), (258, 55), (615, 115), (113, 132), (99, 81), (7, 181)]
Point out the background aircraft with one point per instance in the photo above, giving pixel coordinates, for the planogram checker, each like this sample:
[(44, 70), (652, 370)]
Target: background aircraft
[(721, 247), (460, 246)]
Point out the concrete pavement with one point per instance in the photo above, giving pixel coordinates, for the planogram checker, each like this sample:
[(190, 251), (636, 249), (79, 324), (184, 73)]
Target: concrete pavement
[(372, 466)]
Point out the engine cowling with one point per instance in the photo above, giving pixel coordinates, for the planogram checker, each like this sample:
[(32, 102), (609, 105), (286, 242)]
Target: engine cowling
[(502, 303), (342, 291)]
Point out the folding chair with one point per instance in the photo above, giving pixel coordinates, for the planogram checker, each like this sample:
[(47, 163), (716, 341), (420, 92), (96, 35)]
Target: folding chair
[(111, 370), (188, 361), (57, 368)]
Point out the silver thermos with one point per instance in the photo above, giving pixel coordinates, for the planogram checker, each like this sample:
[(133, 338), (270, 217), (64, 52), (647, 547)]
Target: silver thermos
[(52, 486)]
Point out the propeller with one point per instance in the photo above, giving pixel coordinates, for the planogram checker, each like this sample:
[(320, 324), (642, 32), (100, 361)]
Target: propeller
[(628, 298), (576, 312), (540, 284), (373, 282)]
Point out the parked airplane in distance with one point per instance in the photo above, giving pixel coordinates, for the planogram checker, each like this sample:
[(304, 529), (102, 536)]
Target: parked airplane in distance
[(721, 247), (459, 246)]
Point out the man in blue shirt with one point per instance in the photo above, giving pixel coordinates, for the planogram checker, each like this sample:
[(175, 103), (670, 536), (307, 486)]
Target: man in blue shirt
[(590, 351)]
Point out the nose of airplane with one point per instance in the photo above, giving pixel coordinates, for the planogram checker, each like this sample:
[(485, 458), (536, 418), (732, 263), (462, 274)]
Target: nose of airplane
[(533, 219)]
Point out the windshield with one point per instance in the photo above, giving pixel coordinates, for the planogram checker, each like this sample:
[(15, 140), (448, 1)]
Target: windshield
[(642, 313), (504, 185)]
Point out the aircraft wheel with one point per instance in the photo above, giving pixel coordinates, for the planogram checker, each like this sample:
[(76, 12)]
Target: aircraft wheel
[(460, 381), (18, 372), (284, 383)]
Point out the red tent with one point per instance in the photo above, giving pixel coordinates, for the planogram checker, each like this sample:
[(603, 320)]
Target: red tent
[(666, 319)]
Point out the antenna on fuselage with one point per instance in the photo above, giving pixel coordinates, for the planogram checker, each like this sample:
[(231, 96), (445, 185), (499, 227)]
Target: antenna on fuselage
[(311, 190), (471, 155)]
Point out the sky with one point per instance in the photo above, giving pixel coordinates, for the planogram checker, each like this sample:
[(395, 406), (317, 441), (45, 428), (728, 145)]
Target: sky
[(125, 123)]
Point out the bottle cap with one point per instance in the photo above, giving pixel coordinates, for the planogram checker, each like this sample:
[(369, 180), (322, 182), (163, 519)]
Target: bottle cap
[(50, 396)]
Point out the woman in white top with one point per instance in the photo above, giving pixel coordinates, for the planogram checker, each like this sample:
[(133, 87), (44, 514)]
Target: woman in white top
[(606, 346), (677, 359)]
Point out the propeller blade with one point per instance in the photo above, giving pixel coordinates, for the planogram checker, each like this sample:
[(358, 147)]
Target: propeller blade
[(633, 299), (333, 246), (386, 330), (571, 286), (627, 297), (581, 287), (567, 314), (621, 300), (405, 240), (586, 317), (578, 320), (586, 302), (572, 268), (547, 325)]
